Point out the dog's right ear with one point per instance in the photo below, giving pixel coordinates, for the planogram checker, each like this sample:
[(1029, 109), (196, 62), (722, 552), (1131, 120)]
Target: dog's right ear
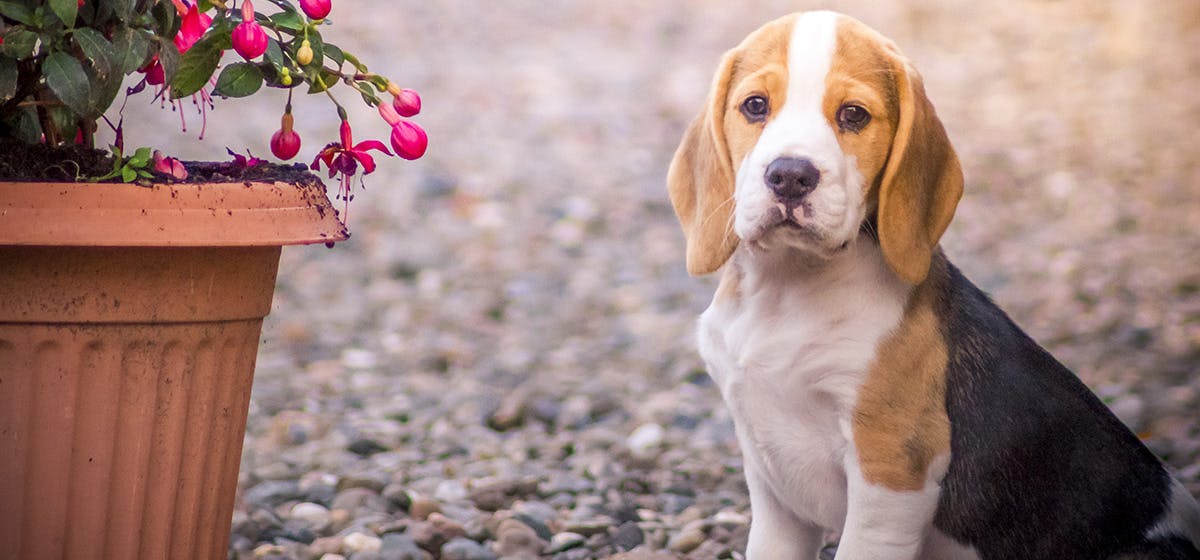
[(701, 181)]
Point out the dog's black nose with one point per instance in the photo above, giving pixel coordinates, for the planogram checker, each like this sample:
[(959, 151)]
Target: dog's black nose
[(791, 179)]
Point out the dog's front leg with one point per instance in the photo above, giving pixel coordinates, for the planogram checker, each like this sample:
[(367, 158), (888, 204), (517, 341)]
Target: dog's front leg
[(884, 523), (775, 532)]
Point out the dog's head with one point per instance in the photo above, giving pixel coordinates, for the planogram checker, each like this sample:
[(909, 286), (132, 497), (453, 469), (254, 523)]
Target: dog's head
[(815, 125)]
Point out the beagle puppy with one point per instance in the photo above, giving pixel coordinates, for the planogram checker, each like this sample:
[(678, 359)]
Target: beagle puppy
[(875, 391)]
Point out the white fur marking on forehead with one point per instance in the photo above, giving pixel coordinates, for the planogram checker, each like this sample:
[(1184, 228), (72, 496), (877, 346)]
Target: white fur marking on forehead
[(810, 54)]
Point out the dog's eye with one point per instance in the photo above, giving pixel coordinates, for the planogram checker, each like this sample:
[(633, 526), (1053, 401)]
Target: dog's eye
[(755, 108), (852, 117)]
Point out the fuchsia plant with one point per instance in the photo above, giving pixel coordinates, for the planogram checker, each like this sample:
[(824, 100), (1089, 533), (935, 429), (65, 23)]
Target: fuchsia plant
[(63, 63)]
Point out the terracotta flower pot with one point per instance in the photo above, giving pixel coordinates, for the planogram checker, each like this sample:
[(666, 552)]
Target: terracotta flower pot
[(129, 326)]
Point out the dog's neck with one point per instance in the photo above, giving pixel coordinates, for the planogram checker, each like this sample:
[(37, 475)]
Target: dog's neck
[(803, 274)]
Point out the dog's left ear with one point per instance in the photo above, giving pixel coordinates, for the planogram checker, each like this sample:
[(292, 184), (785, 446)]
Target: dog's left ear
[(701, 181), (922, 182)]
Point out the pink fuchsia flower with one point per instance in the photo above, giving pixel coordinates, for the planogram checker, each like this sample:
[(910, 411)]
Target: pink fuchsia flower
[(169, 166), (406, 101), (343, 158), (242, 161), (193, 26), (316, 9), (249, 39), (408, 138), (154, 72), (285, 143)]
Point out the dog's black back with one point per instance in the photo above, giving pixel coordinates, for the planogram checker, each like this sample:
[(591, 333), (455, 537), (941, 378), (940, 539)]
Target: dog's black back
[(1040, 467)]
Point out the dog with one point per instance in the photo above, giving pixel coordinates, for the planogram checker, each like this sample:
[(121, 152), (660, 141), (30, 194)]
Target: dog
[(875, 391)]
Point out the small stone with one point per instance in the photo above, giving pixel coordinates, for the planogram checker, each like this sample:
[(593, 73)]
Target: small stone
[(315, 516), (372, 480), (565, 541), (270, 493), (730, 518), (361, 542), (514, 538), (446, 527), (591, 526), (325, 545), (627, 536), (358, 499), (511, 412), (398, 495), (426, 536), (462, 548), (365, 447), (401, 546), (332, 556), (421, 507), (646, 441), (450, 491), (689, 538)]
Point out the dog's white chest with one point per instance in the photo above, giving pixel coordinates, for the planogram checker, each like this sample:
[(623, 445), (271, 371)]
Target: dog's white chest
[(789, 353)]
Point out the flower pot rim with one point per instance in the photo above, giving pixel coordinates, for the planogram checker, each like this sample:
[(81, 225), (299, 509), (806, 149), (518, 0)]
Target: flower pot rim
[(241, 214)]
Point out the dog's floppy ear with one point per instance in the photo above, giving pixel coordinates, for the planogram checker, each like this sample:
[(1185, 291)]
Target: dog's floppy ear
[(701, 181), (922, 182)]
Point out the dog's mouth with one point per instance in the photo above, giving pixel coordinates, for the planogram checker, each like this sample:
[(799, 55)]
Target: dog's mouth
[(795, 228)]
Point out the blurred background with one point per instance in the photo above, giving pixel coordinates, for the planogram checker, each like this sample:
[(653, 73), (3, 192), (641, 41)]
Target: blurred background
[(512, 313)]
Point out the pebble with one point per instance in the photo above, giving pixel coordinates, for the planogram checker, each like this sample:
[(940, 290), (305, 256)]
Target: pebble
[(514, 538), (689, 538), (565, 541), (646, 441), (400, 546), (627, 536), (421, 508), (316, 516), (462, 548), (361, 542)]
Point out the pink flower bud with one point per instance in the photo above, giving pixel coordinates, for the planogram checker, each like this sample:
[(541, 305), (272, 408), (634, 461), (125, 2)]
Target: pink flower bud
[(169, 166), (316, 9), (406, 102), (389, 114), (285, 143), (249, 39), (409, 140)]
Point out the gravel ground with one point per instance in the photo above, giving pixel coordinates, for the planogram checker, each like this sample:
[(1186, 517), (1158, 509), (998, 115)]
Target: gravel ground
[(500, 362)]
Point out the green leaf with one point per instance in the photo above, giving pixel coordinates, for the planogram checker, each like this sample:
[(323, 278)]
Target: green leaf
[(354, 60), (140, 158), (19, 43), (16, 12), (8, 78), (196, 67), (128, 175), (66, 10), (274, 54), (122, 9), (24, 125), (97, 49), (104, 90), (327, 80), (239, 80), (288, 20), (335, 54), (198, 64), (131, 47), (166, 21), (169, 57), (66, 78)]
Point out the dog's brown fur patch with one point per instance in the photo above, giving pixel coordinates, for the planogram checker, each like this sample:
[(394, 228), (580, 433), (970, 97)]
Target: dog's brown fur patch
[(900, 422)]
